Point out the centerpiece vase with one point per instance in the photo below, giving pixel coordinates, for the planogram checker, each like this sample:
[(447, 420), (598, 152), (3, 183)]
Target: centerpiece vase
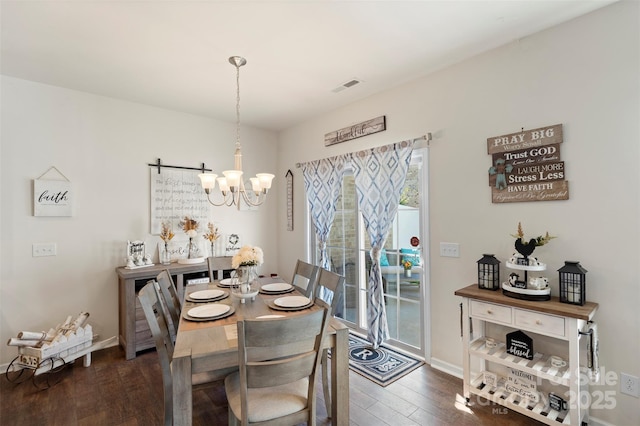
[(407, 273), (247, 275)]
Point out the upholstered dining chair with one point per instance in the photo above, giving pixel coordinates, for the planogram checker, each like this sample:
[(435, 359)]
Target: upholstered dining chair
[(169, 295), (279, 360), (152, 307), (329, 288), (305, 276)]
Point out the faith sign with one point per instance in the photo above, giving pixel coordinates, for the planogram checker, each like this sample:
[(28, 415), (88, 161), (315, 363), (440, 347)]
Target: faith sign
[(52, 197)]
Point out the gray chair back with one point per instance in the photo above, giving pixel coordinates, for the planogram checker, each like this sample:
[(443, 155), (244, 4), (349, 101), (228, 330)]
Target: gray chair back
[(218, 266), (330, 288), (305, 276), (153, 312), (169, 296), (277, 357)]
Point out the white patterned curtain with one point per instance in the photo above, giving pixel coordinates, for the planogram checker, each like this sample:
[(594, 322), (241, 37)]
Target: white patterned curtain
[(379, 177), (322, 183)]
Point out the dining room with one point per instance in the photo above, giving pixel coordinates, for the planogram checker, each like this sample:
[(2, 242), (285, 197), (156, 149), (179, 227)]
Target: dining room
[(122, 158)]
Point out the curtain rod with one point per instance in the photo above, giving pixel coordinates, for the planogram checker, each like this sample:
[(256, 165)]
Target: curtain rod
[(159, 165), (426, 138)]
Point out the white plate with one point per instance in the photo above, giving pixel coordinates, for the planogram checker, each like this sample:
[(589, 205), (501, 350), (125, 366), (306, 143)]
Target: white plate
[(208, 311), (276, 287), (292, 301), (229, 281), (270, 316), (206, 294)]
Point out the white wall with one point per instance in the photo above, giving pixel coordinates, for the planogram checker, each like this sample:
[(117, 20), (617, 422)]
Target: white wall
[(583, 74), (102, 146)]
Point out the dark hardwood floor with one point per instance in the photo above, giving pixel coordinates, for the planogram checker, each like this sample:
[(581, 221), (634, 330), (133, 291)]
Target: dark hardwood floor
[(113, 391)]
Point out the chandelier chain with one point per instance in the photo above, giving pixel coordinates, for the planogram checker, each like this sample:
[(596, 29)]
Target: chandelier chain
[(237, 106), (232, 186)]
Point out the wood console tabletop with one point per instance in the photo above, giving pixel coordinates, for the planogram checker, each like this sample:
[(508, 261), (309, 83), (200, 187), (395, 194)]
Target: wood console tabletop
[(553, 306)]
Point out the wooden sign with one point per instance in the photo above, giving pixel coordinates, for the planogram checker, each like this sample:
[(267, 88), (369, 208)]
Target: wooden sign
[(523, 384), (365, 128), (52, 196), (519, 344), (527, 157), (526, 166), (526, 139), (550, 191)]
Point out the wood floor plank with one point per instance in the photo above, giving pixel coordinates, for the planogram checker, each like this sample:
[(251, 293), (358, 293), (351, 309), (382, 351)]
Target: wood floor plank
[(389, 414), (117, 392)]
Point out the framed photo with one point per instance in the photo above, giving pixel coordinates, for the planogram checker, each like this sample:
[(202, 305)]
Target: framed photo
[(232, 244)]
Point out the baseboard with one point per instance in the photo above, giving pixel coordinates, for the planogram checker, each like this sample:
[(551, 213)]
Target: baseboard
[(445, 367)]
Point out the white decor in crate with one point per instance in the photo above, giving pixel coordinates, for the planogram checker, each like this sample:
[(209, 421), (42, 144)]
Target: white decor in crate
[(65, 343)]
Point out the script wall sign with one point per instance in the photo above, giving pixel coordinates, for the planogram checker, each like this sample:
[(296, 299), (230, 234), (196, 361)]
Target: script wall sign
[(365, 128), (52, 196), (526, 166), (174, 195)]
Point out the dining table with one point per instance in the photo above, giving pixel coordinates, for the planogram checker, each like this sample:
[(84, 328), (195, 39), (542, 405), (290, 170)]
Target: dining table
[(212, 346)]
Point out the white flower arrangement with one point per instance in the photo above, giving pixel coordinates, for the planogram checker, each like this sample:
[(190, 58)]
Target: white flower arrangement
[(247, 256)]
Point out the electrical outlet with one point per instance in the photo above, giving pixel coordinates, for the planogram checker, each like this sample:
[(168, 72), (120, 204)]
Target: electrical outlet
[(43, 249), (449, 249), (629, 385)]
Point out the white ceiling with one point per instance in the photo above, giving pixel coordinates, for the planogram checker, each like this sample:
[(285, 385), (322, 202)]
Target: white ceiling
[(174, 54)]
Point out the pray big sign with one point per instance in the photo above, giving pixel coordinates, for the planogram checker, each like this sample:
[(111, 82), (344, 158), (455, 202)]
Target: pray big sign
[(526, 166)]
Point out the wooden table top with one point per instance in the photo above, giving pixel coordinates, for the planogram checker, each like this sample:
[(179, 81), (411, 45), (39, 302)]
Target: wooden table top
[(204, 338), (553, 306)]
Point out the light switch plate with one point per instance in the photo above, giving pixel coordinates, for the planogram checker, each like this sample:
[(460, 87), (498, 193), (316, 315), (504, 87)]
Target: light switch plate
[(449, 249), (44, 249)]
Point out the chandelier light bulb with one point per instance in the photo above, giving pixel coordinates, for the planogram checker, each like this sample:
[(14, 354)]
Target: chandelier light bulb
[(208, 181), (265, 180)]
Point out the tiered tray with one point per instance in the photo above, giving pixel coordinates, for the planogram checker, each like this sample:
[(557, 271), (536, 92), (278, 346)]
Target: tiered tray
[(526, 293)]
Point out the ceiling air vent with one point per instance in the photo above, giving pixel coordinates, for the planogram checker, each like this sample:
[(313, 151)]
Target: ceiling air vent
[(347, 85)]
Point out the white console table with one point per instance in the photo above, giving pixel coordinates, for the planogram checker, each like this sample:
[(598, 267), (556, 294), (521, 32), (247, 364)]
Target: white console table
[(554, 327)]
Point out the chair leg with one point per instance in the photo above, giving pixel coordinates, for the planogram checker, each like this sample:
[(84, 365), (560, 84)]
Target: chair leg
[(233, 421), (168, 401), (168, 413), (325, 382)]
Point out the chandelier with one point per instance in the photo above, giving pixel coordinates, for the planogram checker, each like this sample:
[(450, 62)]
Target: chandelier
[(232, 186)]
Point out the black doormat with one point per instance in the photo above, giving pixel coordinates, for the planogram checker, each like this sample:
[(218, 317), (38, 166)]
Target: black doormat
[(383, 365)]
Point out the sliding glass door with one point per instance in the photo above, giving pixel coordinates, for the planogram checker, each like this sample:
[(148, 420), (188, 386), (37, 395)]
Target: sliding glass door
[(403, 262)]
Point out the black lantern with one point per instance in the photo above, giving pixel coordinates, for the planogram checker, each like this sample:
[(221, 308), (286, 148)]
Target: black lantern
[(489, 272), (572, 283)]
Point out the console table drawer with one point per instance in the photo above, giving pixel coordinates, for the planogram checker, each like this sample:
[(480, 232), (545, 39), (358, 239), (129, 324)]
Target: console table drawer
[(491, 312), (539, 322)]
